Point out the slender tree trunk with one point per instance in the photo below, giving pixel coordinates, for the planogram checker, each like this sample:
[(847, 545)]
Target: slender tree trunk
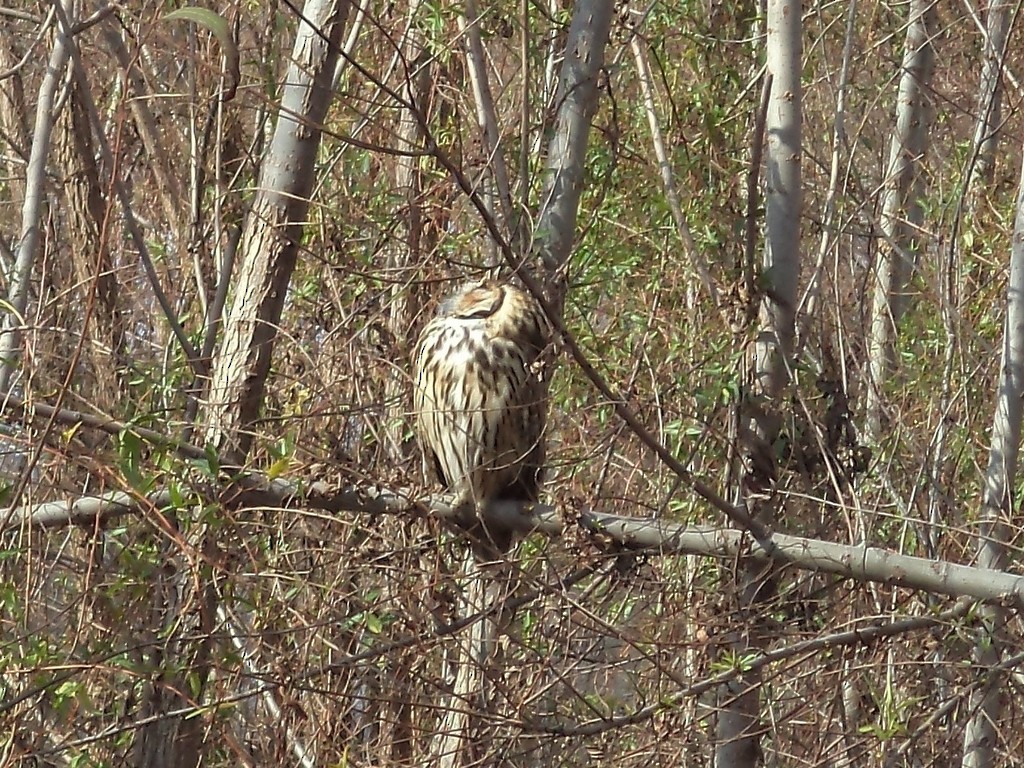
[(13, 114), (487, 118), (270, 247), (997, 508), (554, 237), (32, 210), (575, 102), (990, 97), (169, 189), (901, 208), (407, 251), (738, 724), (273, 231), (406, 254), (459, 733), (783, 195), (90, 263), (697, 260)]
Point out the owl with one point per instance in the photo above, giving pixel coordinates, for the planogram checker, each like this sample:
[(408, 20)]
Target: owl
[(480, 400)]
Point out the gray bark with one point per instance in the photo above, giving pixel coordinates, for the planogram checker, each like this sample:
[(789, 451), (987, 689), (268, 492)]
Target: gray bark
[(90, 265), (901, 209), (457, 738), (270, 247), (13, 117), (990, 97), (273, 231), (997, 507), (404, 257), (783, 195), (738, 724), (32, 210), (575, 102), (168, 185), (642, 534)]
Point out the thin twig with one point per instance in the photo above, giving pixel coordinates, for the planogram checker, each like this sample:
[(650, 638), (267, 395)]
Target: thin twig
[(697, 261), (809, 647), (131, 222)]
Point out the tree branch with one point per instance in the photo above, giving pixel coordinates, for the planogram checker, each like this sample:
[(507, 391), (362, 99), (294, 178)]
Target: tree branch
[(32, 209), (635, 534), (856, 636)]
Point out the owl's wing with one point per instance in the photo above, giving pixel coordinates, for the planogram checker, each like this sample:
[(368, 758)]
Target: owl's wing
[(525, 416), (449, 434)]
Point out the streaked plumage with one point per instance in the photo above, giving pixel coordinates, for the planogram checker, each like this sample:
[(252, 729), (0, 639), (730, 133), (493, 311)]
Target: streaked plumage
[(480, 402)]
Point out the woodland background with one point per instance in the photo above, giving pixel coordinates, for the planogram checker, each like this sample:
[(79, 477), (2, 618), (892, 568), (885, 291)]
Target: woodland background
[(789, 303)]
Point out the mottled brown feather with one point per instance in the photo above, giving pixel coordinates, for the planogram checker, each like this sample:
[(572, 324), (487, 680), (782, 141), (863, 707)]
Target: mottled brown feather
[(480, 401)]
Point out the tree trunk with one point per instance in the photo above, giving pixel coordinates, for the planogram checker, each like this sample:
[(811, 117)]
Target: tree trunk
[(693, 254), (13, 114), (168, 185), (459, 740), (270, 248), (487, 120), (32, 210), (90, 266), (990, 98), (783, 196), (555, 235), (273, 231), (997, 507), (901, 208), (576, 102), (406, 252), (738, 725)]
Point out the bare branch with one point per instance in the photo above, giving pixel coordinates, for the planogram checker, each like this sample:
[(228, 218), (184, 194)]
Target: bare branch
[(697, 261), (637, 534)]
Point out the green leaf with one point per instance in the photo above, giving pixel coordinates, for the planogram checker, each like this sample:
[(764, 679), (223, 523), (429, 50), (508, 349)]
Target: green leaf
[(373, 623), (279, 468), (204, 17), (220, 29)]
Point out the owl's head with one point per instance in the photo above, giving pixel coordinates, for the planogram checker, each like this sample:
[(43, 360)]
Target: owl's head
[(500, 311), (474, 301)]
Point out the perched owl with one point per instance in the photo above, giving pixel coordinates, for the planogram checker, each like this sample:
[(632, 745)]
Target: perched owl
[(480, 401)]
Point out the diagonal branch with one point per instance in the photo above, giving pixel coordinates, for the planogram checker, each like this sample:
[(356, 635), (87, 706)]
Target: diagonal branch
[(697, 261)]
